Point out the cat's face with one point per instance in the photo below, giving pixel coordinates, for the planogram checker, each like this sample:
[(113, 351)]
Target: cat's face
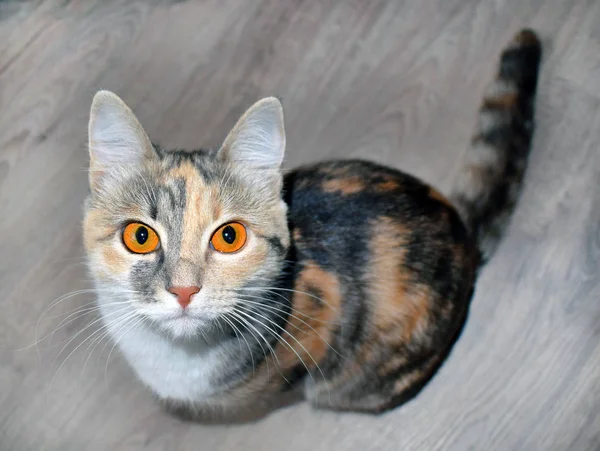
[(159, 223)]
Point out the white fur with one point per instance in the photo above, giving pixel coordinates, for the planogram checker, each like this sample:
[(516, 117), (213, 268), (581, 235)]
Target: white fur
[(175, 369)]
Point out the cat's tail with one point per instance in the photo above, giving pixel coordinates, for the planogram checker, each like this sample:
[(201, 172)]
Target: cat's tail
[(488, 185)]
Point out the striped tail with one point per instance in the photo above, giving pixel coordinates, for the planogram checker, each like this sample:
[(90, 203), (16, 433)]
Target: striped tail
[(489, 183)]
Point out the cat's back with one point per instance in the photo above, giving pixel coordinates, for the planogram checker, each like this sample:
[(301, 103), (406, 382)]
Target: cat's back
[(343, 213)]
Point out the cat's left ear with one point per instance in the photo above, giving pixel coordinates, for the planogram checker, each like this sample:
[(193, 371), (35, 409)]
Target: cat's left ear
[(117, 141), (258, 138)]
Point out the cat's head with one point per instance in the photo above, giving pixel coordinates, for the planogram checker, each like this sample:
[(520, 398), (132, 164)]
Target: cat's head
[(177, 235)]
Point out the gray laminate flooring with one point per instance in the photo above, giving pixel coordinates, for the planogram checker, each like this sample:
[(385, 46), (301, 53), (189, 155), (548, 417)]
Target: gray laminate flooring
[(394, 81)]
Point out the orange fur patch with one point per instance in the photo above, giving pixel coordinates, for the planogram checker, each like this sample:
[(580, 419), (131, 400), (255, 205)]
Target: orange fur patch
[(114, 262), (408, 380), (401, 308), (349, 185), (196, 214), (389, 185), (502, 102), (95, 229), (184, 171), (526, 37), (312, 321)]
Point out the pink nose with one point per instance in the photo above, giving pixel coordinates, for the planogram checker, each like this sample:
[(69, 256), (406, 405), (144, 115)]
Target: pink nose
[(184, 294)]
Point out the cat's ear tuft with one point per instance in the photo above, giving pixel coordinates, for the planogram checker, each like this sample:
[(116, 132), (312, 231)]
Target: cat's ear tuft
[(116, 138), (258, 138)]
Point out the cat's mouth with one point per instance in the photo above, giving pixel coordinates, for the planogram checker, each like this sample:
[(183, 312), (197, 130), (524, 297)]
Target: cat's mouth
[(186, 316), (183, 316), (199, 318), (183, 324)]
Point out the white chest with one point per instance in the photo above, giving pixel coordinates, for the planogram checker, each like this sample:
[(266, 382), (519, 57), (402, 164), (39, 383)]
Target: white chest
[(170, 370)]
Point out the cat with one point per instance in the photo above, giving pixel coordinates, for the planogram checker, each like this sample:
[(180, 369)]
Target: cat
[(226, 282)]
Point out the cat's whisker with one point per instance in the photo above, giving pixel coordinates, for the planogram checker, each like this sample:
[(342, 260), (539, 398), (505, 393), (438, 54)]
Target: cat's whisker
[(79, 345), (96, 341), (62, 299), (133, 325), (287, 303), (291, 291), (258, 335), (252, 312), (78, 292), (297, 354), (105, 331), (299, 312), (259, 343), (92, 347), (84, 329), (276, 363), (86, 311), (274, 309), (204, 335), (79, 312), (221, 327), (250, 351), (235, 330), (47, 309), (285, 341), (256, 339), (33, 322)]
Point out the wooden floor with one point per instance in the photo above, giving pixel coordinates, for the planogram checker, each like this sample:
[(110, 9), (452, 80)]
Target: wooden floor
[(395, 81)]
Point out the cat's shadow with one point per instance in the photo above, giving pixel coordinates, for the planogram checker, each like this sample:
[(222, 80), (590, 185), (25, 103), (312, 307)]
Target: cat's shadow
[(232, 416)]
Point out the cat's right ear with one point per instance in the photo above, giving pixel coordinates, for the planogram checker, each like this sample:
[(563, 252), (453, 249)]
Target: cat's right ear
[(116, 138), (258, 138)]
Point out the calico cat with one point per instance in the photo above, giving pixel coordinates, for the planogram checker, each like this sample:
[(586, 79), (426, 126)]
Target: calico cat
[(226, 282)]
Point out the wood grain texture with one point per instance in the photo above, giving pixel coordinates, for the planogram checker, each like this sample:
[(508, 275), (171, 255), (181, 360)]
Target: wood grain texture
[(394, 81)]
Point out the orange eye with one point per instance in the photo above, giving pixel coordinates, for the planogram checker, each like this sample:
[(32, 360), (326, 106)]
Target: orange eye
[(139, 238), (228, 238)]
